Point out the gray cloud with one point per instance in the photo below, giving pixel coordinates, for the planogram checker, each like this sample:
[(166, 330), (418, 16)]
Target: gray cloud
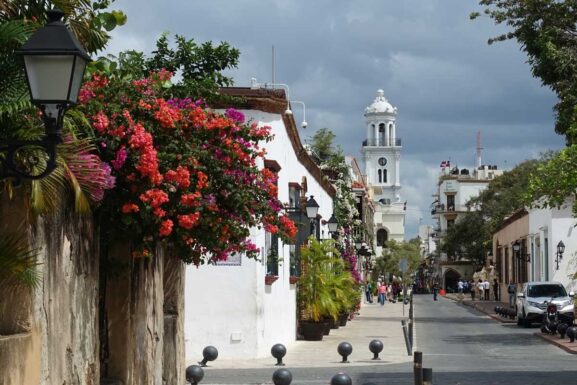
[(431, 60)]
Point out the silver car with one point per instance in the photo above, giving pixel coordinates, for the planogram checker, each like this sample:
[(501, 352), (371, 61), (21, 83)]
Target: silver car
[(533, 299)]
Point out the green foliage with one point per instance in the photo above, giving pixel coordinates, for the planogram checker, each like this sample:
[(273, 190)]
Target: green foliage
[(546, 31), (555, 181), (200, 66), (468, 238), (18, 264), (388, 262), (326, 287)]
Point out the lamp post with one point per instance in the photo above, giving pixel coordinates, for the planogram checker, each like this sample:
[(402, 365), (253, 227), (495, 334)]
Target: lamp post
[(559, 255), (54, 64), (333, 225), (312, 208), (519, 254)]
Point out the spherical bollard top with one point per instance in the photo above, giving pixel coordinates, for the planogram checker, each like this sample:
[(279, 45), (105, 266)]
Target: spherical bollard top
[(282, 377), (341, 379), (278, 351), (345, 349), (572, 333), (210, 353), (194, 374), (376, 346)]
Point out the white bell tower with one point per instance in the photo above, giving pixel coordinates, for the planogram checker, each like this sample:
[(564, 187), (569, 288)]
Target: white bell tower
[(382, 156)]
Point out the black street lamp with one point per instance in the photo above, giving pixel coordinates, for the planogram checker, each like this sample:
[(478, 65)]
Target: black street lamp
[(517, 251), (54, 62), (333, 224), (559, 255), (312, 208)]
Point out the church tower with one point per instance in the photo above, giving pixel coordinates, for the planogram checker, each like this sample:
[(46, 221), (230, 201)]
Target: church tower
[(382, 156)]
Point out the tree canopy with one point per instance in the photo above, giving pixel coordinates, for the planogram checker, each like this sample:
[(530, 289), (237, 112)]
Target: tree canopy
[(547, 33)]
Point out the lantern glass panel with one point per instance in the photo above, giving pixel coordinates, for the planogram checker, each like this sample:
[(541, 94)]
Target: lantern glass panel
[(79, 67), (49, 77)]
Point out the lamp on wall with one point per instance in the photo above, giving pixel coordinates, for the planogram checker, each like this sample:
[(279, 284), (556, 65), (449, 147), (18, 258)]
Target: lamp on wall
[(518, 253), (254, 85), (559, 255), (312, 208), (54, 63), (333, 224)]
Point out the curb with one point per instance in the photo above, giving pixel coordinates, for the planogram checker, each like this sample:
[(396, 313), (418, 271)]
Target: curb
[(557, 342), (480, 309)]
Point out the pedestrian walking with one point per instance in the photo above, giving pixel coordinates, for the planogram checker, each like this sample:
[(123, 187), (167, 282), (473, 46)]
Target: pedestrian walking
[(473, 288), (460, 286), (511, 290), (481, 289), (496, 289), (368, 291), (487, 289), (435, 291), (382, 292)]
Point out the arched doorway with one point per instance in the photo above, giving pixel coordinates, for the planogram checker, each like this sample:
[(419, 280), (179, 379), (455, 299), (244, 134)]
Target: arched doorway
[(382, 237), (450, 280)]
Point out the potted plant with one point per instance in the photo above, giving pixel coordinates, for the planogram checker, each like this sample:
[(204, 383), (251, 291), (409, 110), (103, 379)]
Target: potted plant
[(315, 298)]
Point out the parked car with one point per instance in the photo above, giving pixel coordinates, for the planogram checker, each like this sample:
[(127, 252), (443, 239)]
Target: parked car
[(533, 299)]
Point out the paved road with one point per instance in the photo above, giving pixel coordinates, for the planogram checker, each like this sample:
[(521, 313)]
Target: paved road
[(463, 346)]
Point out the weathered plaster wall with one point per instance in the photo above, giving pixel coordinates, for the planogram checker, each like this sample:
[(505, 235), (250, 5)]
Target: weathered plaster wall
[(62, 344)]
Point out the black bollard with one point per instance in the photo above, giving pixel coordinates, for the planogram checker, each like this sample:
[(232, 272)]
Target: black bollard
[(345, 349), (210, 353), (376, 346), (427, 376), (571, 333), (282, 377), (341, 379), (194, 374), (418, 368), (278, 351), (562, 329)]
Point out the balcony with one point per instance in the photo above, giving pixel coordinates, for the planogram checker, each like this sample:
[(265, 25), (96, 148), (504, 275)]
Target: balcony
[(382, 142)]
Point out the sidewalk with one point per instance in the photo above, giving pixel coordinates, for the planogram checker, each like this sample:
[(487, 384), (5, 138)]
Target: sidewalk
[(374, 322), (488, 307)]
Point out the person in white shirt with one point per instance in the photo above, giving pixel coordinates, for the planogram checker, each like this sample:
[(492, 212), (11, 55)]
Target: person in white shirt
[(487, 290), (460, 286), (481, 289)]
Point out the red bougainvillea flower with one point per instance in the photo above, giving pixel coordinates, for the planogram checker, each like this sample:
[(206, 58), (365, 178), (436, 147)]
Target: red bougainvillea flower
[(165, 228)]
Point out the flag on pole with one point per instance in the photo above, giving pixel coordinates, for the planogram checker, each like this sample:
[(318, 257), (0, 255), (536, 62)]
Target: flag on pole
[(445, 163)]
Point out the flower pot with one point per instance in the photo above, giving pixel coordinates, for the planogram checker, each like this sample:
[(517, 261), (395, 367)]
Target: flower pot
[(343, 318), (327, 327), (312, 331), (293, 279), (270, 279), (335, 324)]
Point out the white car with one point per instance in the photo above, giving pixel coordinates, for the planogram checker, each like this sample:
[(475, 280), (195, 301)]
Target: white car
[(533, 298)]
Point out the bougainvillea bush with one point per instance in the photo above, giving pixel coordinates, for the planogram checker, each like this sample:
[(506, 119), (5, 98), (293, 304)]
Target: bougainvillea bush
[(185, 176)]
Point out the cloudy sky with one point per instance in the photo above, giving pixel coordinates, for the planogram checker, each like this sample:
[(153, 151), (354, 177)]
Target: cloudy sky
[(433, 63)]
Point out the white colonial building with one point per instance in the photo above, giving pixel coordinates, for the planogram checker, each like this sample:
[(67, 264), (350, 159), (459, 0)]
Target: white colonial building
[(547, 229), (243, 306), (455, 188), (382, 156)]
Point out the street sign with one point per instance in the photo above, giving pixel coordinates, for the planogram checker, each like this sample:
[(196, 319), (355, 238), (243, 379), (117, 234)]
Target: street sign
[(403, 265)]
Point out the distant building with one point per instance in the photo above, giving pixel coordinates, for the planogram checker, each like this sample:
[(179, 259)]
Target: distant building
[(455, 188), (382, 157)]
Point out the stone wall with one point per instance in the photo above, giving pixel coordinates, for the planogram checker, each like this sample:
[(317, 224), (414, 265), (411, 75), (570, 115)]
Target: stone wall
[(51, 335)]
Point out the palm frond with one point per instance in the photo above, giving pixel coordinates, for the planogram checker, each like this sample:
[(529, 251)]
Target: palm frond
[(18, 263)]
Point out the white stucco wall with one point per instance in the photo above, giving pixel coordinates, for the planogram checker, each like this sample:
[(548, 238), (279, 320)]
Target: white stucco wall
[(546, 228), (230, 307)]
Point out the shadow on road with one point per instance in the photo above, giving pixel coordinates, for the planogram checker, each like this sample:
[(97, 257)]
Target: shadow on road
[(510, 339), (457, 320), (472, 378)]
